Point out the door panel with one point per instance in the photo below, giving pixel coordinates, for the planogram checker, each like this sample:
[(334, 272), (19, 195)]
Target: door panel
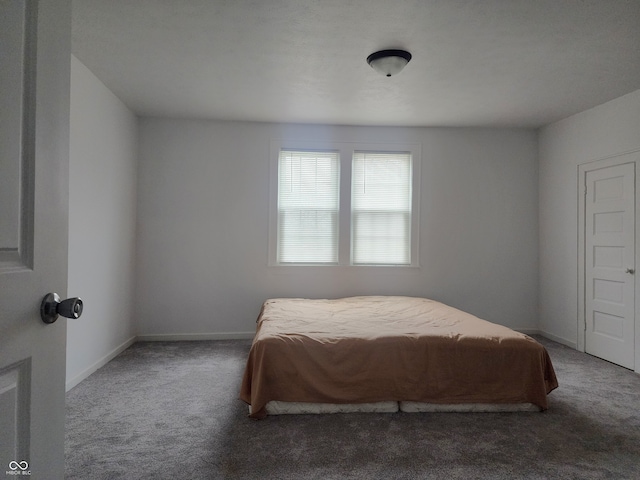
[(15, 388), (609, 263), (16, 134), (34, 150)]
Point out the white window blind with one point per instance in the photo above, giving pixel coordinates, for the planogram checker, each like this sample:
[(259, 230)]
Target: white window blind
[(381, 208), (308, 199)]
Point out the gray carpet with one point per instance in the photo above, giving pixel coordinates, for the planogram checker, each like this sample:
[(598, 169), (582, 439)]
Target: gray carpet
[(170, 411)]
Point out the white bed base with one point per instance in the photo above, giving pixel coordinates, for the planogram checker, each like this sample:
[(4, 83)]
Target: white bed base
[(275, 407)]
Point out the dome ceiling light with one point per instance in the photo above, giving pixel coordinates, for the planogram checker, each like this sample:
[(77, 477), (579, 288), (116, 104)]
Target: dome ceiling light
[(389, 62)]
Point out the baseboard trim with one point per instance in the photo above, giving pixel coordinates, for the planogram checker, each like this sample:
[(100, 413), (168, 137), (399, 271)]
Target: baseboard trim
[(528, 331), (100, 363), (550, 336), (177, 337), (555, 338)]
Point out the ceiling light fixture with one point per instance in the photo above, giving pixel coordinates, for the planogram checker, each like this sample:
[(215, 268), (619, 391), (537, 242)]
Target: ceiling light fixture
[(389, 62)]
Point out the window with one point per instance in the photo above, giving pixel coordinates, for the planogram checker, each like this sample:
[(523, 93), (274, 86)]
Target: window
[(381, 208), (344, 204), (308, 191)]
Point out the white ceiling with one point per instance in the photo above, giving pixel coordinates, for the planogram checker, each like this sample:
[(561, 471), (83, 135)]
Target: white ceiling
[(475, 63)]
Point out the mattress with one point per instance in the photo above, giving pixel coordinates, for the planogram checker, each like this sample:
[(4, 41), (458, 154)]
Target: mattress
[(366, 350), (275, 407)]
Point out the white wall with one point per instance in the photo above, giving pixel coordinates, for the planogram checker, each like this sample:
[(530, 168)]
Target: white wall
[(203, 198), (606, 130), (102, 216)]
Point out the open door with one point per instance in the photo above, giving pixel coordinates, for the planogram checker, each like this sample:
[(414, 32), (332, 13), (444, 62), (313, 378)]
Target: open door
[(34, 163)]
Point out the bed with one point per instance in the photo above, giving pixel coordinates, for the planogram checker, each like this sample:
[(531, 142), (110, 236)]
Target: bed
[(389, 353)]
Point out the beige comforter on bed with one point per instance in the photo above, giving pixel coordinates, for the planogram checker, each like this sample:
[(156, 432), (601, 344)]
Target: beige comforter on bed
[(373, 349)]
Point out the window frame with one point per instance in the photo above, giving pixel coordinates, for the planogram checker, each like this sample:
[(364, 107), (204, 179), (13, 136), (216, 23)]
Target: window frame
[(345, 151)]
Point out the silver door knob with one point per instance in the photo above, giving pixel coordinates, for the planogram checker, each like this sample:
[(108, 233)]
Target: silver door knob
[(52, 306), (630, 271)]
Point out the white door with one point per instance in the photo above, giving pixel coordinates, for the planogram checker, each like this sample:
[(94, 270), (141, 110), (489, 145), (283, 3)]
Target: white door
[(610, 263), (34, 139)]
